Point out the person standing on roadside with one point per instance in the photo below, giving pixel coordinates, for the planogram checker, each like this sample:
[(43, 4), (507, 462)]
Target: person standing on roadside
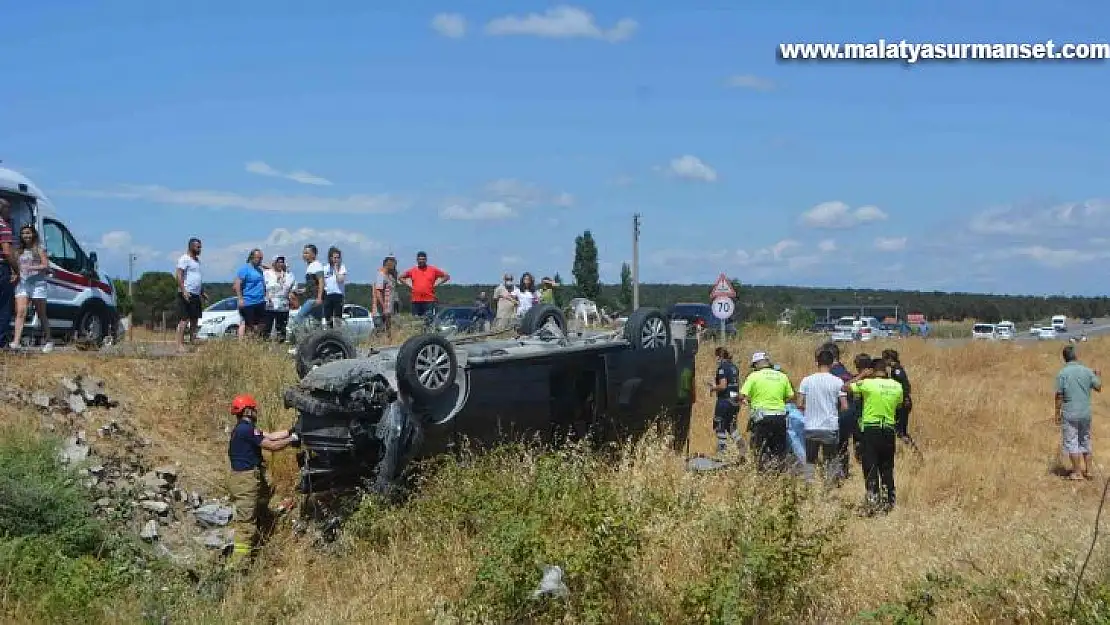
[(8, 275), (821, 398), (313, 282), (34, 267), (765, 392), (280, 299), (250, 289), (385, 284), (526, 294), (190, 289), (726, 387), (249, 487), (423, 280), (1074, 384), (505, 298), (881, 398), (547, 291), (335, 286), (847, 417)]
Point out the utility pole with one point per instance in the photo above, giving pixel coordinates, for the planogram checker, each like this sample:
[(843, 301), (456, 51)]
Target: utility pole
[(131, 258), (635, 261)]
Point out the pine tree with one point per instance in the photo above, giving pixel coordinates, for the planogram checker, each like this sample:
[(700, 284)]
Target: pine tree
[(585, 266)]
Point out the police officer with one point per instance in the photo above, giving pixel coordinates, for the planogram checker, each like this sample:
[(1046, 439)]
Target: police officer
[(765, 392), (249, 488), (727, 388)]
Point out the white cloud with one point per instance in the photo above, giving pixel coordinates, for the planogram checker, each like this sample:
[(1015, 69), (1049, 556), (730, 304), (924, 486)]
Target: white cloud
[(750, 81), (827, 245), (479, 211), (839, 215), (1046, 256), (890, 244), (121, 243), (205, 198), (691, 168), (524, 194), (510, 261), (303, 177), (561, 22), (1037, 221), (450, 25)]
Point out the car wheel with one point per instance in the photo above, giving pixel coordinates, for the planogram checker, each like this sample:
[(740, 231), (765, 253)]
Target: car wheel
[(92, 324), (541, 315), (426, 366), (322, 347), (647, 329)]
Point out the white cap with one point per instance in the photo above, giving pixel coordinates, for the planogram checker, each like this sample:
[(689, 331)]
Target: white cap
[(756, 357)]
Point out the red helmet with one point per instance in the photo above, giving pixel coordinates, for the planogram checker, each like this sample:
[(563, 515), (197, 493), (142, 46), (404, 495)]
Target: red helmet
[(242, 402)]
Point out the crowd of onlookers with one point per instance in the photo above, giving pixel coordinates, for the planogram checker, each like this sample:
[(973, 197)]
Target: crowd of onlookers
[(270, 296)]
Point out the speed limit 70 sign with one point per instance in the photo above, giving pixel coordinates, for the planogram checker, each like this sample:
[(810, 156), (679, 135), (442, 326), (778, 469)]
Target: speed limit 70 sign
[(723, 307)]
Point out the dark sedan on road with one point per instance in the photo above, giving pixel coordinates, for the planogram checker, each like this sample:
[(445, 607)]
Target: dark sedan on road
[(700, 316)]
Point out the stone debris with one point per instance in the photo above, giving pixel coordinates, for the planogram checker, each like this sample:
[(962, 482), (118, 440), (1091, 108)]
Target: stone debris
[(149, 531), (214, 514), (75, 449), (157, 507)]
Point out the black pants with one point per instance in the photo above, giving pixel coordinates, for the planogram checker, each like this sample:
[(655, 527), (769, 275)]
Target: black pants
[(877, 458), (7, 300), (902, 420), (770, 444), (276, 322), (848, 441), (333, 306), (422, 309)]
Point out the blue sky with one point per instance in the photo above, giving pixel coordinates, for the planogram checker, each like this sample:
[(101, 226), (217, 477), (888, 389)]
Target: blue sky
[(491, 133)]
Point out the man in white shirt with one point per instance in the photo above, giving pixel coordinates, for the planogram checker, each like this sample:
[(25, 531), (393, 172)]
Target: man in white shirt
[(279, 298), (335, 285), (821, 398), (190, 289), (313, 283)]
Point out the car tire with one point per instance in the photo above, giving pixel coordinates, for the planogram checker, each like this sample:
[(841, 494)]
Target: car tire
[(647, 329), (426, 366), (322, 347), (540, 315), (92, 323), (400, 434)]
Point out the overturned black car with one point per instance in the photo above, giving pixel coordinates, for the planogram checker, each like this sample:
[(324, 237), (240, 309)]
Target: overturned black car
[(362, 420)]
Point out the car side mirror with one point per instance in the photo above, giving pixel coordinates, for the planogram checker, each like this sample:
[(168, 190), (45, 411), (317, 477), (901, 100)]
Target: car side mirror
[(93, 260)]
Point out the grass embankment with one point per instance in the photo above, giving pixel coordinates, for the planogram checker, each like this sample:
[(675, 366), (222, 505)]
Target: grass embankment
[(984, 531)]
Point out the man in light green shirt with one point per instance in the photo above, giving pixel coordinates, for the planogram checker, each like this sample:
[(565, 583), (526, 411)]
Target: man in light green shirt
[(881, 399), (765, 393), (1074, 384)]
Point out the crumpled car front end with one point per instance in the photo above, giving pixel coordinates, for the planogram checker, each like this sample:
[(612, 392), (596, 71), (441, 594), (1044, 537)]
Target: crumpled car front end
[(355, 429)]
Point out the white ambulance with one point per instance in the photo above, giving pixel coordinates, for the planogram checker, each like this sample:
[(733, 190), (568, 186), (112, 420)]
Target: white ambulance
[(80, 302)]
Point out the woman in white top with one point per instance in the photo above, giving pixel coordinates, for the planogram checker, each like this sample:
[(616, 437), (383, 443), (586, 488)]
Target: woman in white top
[(335, 283), (526, 294), (34, 266), (280, 299)]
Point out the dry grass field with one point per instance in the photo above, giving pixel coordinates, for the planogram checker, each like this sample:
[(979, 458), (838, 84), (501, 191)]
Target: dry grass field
[(985, 530)]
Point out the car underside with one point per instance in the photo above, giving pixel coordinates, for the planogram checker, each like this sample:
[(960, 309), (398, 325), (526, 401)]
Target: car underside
[(362, 421)]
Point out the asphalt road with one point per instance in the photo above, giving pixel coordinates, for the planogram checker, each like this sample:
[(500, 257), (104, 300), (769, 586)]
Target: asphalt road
[(1075, 329)]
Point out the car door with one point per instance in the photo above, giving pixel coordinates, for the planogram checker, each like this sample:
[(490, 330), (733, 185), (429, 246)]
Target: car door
[(507, 400), (639, 386), (67, 281)]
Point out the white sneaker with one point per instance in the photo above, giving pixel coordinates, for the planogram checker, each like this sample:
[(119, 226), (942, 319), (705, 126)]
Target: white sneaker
[(13, 345), (49, 347)]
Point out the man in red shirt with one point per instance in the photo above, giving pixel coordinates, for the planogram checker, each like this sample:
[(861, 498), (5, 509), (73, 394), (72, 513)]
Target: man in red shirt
[(423, 280)]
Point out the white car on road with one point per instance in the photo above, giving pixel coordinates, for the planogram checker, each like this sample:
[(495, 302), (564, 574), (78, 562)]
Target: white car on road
[(983, 331), (1046, 333)]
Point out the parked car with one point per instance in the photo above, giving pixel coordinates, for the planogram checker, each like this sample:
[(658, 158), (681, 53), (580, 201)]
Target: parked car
[(220, 319), (458, 320), (983, 331), (700, 317), (1088, 321), (1004, 333), (80, 301), (1045, 333), (1060, 323), (362, 420)]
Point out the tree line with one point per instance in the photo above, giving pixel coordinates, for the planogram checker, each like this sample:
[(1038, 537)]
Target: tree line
[(155, 293)]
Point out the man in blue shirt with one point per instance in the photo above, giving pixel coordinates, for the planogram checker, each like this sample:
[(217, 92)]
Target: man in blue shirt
[(1074, 384), (250, 288), (249, 488)]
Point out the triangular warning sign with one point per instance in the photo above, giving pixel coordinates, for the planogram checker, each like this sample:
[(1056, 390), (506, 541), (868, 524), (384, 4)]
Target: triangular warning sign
[(722, 288)]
